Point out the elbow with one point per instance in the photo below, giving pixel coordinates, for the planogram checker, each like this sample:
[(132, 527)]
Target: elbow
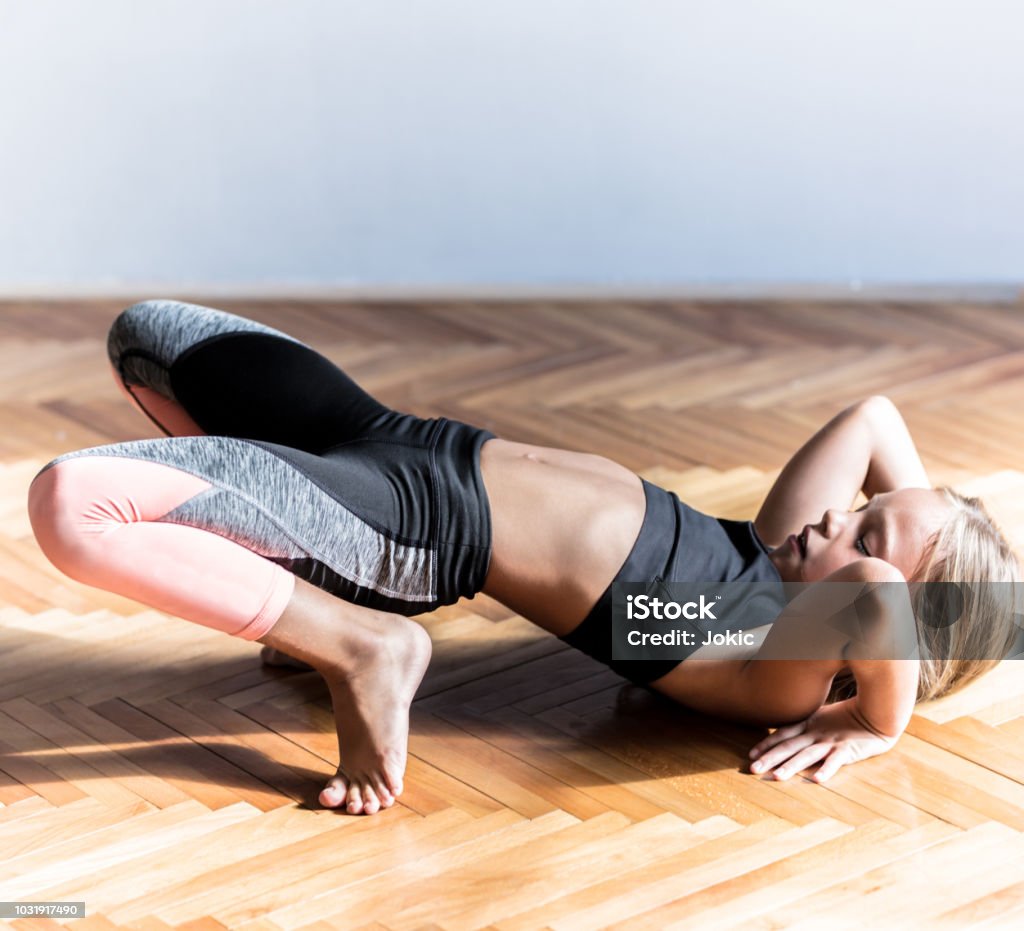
[(790, 704), (784, 716)]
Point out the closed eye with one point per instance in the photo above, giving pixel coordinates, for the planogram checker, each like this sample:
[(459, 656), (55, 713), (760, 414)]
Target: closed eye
[(860, 546)]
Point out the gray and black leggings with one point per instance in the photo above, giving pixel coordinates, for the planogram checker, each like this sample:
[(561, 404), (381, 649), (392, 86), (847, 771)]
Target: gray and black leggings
[(276, 465)]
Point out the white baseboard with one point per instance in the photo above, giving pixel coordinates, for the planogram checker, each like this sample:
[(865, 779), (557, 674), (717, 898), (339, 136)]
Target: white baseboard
[(976, 292)]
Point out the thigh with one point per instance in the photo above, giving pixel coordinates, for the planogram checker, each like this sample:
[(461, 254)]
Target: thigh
[(235, 377), (335, 522)]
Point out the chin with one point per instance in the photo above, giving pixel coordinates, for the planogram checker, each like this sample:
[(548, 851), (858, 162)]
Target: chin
[(815, 573)]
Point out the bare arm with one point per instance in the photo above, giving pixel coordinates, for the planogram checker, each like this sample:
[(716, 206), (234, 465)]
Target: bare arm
[(789, 678), (883, 656), (847, 731), (865, 447)]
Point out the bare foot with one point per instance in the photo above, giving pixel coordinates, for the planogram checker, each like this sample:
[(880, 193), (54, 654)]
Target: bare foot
[(371, 694), (272, 657)]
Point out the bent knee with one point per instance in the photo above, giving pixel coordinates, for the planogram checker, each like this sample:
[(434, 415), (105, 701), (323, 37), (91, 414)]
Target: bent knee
[(75, 503), (135, 328), (58, 502), (137, 345)]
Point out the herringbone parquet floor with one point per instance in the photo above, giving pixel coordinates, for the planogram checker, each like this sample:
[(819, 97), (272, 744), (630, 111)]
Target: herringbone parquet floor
[(154, 769)]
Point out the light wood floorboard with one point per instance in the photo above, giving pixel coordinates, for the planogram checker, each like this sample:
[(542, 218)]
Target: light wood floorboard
[(156, 770)]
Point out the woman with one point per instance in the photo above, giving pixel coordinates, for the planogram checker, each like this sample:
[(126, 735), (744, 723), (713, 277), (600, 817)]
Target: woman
[(290, 507)]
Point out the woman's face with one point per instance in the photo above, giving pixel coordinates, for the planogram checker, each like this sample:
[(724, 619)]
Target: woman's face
[(894, 526)]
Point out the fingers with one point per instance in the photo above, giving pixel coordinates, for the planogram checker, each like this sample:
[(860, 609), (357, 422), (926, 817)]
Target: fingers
[(783, 733), (806, 757), (838, 757), (781, 752), (798, 753)]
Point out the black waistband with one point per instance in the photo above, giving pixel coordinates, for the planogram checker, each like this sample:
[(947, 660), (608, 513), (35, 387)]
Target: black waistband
[(464, 532)]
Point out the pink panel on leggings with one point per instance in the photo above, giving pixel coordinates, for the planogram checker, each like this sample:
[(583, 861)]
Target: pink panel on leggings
[(97, 520), (168, 414)]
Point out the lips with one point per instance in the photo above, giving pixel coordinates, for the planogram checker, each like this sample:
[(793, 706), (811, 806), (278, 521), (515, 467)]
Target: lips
[(801, 541)]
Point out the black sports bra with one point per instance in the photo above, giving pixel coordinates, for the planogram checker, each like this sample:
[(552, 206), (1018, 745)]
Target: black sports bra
[(678, 543)]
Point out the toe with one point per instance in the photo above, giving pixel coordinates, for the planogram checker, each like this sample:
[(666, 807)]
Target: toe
[(333, 794), (393, 782), (371, 804), (355, 799), (382, 793)]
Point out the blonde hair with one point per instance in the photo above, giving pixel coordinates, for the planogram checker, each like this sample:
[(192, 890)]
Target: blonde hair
[(968, 548)]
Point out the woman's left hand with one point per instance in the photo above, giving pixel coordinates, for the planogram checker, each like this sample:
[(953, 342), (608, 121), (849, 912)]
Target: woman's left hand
[(836, 734)]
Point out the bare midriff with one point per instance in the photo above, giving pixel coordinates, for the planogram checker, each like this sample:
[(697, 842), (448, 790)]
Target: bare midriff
[(562, 524)]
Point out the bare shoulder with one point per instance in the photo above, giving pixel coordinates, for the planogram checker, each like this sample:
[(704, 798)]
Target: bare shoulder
[(868, 569), (865, 582)]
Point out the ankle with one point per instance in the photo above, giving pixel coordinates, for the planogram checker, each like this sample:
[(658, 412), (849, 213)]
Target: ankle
[(381, 637)]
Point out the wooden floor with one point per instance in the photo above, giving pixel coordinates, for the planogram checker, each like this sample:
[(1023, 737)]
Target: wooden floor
[(154, 769)]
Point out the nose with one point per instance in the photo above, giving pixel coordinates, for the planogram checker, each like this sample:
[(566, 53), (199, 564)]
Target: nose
[(834, 521)]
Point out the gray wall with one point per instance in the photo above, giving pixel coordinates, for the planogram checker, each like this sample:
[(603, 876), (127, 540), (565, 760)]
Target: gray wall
[(510, 142)]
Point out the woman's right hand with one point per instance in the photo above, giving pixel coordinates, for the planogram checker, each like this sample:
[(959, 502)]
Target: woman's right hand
[(835, 735)]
